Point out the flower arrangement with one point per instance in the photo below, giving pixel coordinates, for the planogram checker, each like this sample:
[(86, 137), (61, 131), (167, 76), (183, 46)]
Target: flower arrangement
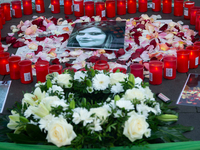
[(93, 109)]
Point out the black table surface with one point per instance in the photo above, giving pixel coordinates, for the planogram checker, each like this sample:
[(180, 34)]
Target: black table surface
[(188, 115)]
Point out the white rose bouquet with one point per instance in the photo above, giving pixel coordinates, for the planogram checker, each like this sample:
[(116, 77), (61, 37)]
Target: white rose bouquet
[(92, 109)]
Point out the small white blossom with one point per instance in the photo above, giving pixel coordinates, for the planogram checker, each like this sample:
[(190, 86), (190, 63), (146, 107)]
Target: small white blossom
[(80, 76), (117, 88)]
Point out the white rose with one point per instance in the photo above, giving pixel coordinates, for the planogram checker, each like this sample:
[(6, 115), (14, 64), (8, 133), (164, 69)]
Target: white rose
[(101, 113), (135, 127), (63, 80), (134, 94), (148, 92), (60, 132), (117, 77)]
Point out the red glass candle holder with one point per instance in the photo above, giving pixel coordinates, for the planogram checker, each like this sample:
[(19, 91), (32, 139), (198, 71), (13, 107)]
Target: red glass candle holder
[(155, 72), (39, 6), (89, 8), (1, 23), (1, 48), (69, 68), (178, 7), (27, 7), (167, 6), (121, 7), (132, 6), (16, 9), (78, 8), (193, 12), (142, 5), (14, 67), (156, 5), (187, 7), (42, 69), (120, 69), (101, 65), (4, 65), (197, 44), (7, 11), (110, 8), (182, 61), (100, 9), (197, 20), (193, 56), (55, 6), (137, 70), (2, 15), (169, 67), (26, 71), (68, 7), (55, 68)]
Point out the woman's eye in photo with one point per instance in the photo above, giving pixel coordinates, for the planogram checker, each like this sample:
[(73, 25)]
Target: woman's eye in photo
[(94, 33), (81, 33)]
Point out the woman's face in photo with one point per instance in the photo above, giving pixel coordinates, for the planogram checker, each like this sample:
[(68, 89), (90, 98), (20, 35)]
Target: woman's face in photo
[(91, 37)]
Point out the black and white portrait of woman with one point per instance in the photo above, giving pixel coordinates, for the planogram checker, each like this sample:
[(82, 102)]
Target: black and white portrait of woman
[(98, 35)]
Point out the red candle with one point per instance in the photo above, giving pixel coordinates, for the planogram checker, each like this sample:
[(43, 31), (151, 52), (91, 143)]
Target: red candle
[(89, 8), (155, 72), (1, 48), (110, 8), (121, 7), (55, 6), (26, 71), (42, 69), (187, 8), (167, 6), (101, 65), (1, 23), (2, 15), (169, 67), (55, 68), (193, 56), (132, 7), (4, 65), (6, 9), (197, 44), (27, 7), (16, 9), (142, 5), (193, 12), (78, 8), (197, 20), (120, 69), (39, 6), (182, 61), (14, 67), (68, 7), (100, 9), (178, 7), (156, 5), (137, 70)]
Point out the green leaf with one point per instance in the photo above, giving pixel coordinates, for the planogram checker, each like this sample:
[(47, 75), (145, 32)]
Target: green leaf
[(182, 128), (49, 84), (34, 132)]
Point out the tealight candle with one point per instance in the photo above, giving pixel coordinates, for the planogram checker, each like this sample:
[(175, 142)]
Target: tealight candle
[(137, 70), (78, 8), (156, 5), (55, 6), (7, 11), (2, 15), (68, 7), (169, 67), (42, 69), (16, 9), (121, 7), (89, 8), (193, 12), (197, 44), (167, 6), (101, 65), (187, 7), (55, 68), (182, 61), (193, 56), (25, 68), (197, 20), (110, 8), (14, 67), (4, 65), (132, 6), (100, 9), (142, 5), (27, 7), (39, 6), (155, 72), (178, 7), (120, 69)]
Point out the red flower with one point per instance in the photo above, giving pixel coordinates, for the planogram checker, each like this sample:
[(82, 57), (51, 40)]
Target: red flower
[(56, 61)]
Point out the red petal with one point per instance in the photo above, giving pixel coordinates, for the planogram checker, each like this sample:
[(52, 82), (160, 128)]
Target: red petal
[(54, 20), (68, 65), (40, 38), (121, 51), (102, 57), (10, 40), (104, 19), (92, 19), (141, 26), (67, 50), (153, 42), (129, 47), (164, 27), (122, 62), (56, 61), (135, 55), (93, 59), (66, 17), (109, 51), (65, 36), (40, 48), (38, 22), (139, 50), (69, 20), (39, 59), (18, 44), (43, 28)]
